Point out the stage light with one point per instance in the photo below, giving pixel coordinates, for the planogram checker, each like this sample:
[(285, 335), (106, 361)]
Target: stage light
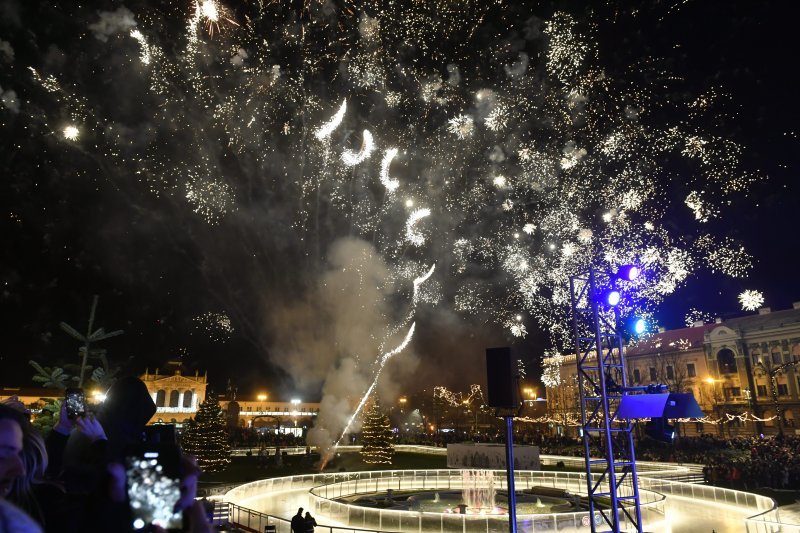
[(612, 297), (628, 272)]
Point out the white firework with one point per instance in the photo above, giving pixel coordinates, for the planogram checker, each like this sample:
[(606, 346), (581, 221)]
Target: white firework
[(324, 131), (351, 158), (413, 235), (461, 126), (751, 300), (71, 133), (390, 184)]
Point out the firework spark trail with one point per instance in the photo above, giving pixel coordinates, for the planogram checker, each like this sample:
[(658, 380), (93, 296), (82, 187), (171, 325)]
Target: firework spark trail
[(324, 131), (382, 362), (351, 158), (390, 184)]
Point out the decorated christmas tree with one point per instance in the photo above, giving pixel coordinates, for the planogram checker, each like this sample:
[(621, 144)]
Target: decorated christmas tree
[(205, 437), (376, 434)]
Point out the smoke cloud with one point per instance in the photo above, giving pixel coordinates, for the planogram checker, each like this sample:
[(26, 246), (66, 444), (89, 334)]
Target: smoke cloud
[(112, 23), (334, 333)]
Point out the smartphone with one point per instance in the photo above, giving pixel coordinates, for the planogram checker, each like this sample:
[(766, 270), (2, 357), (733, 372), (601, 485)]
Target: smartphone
[(154, 486), (76, 403)]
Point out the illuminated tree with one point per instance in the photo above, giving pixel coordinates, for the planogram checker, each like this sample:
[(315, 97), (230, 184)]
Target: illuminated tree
[(376, 434), (205, 437)]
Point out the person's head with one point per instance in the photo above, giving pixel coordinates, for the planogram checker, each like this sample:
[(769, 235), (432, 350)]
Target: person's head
[(34, 458), (12, 466), (125, 412), (300, 512), (308, 514)]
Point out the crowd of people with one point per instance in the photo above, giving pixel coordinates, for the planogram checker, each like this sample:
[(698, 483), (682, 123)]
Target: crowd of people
[(736, 462), (74, 480)]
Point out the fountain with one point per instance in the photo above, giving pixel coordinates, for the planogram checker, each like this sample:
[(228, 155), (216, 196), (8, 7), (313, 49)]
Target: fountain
[(477, 490)]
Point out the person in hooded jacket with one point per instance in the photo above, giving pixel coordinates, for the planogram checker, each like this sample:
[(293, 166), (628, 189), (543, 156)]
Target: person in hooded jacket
[(81, 459)]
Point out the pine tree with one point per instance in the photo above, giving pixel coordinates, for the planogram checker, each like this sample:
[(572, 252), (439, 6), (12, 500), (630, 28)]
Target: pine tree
[(205, 437), (376, 434)]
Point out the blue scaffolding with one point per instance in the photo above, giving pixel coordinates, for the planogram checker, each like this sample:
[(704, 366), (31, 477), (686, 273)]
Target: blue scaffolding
[(611, 478)]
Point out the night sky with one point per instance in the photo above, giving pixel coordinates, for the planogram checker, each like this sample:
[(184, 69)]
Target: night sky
[(77, 222)]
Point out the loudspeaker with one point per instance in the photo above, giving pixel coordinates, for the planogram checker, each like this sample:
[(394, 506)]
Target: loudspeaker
[(500, 378)]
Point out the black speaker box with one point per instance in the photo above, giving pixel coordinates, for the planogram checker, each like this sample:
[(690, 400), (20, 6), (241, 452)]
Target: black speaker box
[(501, 378)]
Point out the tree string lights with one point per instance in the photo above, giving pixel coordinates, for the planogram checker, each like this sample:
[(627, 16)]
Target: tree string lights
[(377, 436), (205, 437)]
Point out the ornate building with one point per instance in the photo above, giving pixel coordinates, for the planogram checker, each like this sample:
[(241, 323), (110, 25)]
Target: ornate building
[(176, 396), (744, 373)]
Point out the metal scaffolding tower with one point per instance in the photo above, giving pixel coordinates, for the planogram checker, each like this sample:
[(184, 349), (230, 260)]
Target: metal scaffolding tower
[(613, 488)]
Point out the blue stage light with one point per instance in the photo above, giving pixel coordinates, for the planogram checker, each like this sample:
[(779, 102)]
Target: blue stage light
[(639, 326), (628, 272), (612, 297)]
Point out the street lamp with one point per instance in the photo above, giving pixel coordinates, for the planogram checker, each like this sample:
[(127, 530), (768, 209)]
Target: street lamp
[(261, 397)]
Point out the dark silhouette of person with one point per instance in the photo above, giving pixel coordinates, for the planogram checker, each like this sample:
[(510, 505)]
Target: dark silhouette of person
[(310, 523), (297, 522)]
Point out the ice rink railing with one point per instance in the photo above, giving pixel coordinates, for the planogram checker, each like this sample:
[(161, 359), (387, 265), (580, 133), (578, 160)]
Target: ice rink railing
[(322, 499), (336, 484)]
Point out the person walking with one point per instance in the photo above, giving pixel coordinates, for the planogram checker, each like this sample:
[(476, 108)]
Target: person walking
[(310, 523), (298, 524)]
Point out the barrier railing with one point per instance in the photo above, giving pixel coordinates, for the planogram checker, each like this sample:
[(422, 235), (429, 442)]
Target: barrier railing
[(325, 487), (765, 518), (249, 520)]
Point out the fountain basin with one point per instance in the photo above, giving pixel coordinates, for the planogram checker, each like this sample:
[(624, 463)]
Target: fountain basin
[(443, 501)]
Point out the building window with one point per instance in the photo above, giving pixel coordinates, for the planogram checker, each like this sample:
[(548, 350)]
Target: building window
[(761, 390), (690, 370), (670, 372), (776, 358), (161, 398), (653, 374), (732, 392), (173, 398), (783, 389), (637, 376), (187, 398), (755, 358), (726, 361)]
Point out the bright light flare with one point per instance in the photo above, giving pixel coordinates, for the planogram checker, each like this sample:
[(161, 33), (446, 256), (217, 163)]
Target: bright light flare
[(751, 300), (71, 133)]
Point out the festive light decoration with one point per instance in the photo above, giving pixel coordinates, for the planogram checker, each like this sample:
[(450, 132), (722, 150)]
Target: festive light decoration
[(377, 436), (455, 399), (205, 437)]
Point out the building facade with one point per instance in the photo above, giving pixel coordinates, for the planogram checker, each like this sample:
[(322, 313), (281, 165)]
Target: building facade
[(176, 396), (743, 372)]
